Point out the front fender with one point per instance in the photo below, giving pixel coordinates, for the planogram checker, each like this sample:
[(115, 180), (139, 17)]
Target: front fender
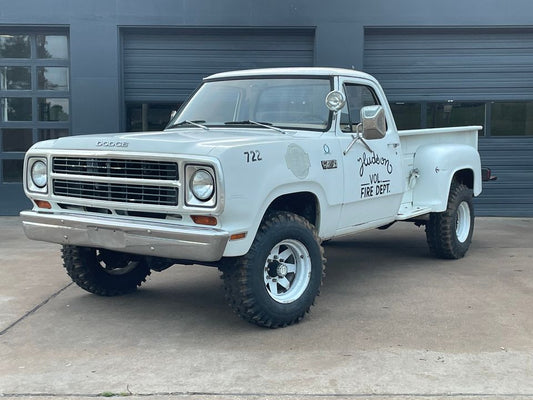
[(327, 214), (437, 164)]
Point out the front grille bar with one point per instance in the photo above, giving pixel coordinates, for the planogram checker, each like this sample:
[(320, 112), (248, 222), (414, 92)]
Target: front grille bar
[(115, 167), (126, 193)]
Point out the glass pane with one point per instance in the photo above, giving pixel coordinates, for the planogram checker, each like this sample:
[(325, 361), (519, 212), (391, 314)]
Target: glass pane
[(441, 115), (134, 120), (53, 109), (512, 119), (45, 134), (15, 109), (148, 117), (52, 46), (357, 97), (12, 170), (52, 78), (15, 78), (407, 115), (15, 46), (16, 139)]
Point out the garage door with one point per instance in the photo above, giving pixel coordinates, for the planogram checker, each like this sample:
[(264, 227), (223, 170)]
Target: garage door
[(167, 65), (485, 75)]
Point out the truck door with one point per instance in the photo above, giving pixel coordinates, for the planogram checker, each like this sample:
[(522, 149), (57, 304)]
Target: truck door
[(373, 183)]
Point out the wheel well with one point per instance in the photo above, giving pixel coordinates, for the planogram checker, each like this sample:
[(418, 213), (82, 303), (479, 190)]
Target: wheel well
[(466, 177), (304, 204)]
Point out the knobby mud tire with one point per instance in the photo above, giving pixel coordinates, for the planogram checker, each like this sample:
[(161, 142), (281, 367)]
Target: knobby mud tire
[(88, 273), (244, 277), (449, 234)]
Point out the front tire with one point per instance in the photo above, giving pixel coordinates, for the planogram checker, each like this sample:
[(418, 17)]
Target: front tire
[(277, 281), (104, 272), (449, 234)]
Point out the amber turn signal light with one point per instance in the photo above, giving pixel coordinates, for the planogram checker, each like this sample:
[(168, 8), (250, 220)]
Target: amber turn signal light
[(204, 220), (238, 236), (43, 204)]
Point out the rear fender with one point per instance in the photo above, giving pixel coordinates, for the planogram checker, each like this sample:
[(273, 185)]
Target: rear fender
[(437, 164)]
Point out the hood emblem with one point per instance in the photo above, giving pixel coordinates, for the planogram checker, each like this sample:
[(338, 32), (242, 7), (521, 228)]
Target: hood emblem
[(102, 143)]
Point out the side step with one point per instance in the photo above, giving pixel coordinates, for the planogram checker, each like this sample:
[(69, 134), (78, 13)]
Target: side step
[(408, 211)]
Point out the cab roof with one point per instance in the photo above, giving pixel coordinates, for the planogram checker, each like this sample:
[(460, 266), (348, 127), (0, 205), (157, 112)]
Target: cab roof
[(300, 71)]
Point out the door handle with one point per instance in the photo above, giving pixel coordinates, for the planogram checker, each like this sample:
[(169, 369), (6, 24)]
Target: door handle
[(394, 145)]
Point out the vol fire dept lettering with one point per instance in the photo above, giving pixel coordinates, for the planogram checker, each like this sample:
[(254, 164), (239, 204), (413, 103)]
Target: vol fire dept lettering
[(374, 186)]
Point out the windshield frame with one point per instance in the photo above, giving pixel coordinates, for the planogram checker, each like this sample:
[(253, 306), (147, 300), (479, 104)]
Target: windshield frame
[(329, 78)]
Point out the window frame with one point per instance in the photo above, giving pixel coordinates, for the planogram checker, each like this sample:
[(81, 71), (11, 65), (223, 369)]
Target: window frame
[(33, 63)]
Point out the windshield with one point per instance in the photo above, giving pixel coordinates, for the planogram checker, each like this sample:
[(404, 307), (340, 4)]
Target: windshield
[(291, 103)]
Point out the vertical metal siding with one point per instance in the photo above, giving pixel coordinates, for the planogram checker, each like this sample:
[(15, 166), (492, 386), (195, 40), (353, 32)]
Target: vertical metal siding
[(167, 65), (465, 64)]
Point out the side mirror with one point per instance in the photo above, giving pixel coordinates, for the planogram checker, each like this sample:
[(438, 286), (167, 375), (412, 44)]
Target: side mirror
[(373, 121), (173, 113)]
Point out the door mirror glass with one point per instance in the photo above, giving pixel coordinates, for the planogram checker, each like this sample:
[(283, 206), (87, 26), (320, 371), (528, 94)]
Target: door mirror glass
[(373, 120)]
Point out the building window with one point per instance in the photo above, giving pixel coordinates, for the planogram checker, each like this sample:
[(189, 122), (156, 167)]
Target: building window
[(15, 46), (149, 116), (15, 78), (51, 109), (407, 115), (15, 109), (52, 78), (52, 46), (34, 93), (449, 114), (512, 119), (16, 139)]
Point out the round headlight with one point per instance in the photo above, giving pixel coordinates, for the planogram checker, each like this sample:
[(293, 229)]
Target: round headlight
[(335, 100), (38, 174), (202, 185)]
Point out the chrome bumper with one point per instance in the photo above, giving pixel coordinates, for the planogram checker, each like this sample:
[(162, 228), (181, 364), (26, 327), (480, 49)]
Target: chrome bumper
[(157, 239)]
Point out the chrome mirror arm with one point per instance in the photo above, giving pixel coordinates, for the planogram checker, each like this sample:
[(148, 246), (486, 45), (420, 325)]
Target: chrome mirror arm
[(356, 138)]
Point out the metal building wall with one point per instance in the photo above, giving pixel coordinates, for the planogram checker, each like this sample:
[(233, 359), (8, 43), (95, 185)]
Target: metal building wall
[(475, 64), (451, 63), (168, 64)]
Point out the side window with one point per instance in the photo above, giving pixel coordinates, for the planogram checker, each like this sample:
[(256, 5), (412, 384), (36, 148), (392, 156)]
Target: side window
[(357, 97)]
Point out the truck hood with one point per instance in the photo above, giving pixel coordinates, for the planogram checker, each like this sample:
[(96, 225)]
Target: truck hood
[(193, 141)]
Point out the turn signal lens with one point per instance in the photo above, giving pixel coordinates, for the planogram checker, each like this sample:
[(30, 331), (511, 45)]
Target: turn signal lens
[(43, 204), (204, 220), (238, 236)]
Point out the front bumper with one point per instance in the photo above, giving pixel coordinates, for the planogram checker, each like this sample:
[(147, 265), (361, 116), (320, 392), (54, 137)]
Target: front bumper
[(158, 239)]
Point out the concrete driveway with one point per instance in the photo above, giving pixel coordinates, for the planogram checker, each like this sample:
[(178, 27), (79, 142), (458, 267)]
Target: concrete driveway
[(391, 323)]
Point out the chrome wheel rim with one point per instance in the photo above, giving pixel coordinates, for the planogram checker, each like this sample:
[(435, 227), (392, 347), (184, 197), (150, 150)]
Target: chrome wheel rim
[(462, 224), (287, 271)]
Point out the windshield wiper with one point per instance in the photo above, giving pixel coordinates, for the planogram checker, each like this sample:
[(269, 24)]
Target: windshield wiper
[(267, 125), (197, 123)]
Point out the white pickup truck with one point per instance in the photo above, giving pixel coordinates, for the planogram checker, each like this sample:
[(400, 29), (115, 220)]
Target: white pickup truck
[(251, 175)]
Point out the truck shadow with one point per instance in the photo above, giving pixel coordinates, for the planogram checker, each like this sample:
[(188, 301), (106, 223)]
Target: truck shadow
[(190, 299)]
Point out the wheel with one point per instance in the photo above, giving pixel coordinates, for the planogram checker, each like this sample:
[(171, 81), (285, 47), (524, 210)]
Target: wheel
[(449, 233), (277, 281), (104, 272)]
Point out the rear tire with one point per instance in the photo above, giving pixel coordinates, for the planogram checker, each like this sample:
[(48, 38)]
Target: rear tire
[(276, 282), (104, 272), (449, 234)]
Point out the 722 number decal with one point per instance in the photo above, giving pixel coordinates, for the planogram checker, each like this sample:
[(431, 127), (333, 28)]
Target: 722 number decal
[(253, 156)]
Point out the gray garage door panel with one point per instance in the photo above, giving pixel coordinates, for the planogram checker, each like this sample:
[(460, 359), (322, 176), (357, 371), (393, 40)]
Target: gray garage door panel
[(511, 160), (458, 64), (465, 64), (167, 65)]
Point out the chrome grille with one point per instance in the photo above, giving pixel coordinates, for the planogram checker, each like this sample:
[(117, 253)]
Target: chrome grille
[(136, 194), (115, 167)]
